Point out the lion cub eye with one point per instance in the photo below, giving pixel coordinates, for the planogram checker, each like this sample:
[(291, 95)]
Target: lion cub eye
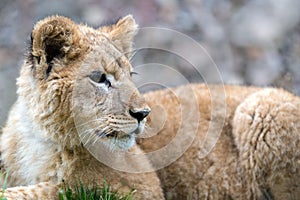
[(133, 73), (99, 77)]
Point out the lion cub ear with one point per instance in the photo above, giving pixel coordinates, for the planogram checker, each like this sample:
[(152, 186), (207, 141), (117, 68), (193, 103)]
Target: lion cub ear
[(53, 38), (122, 33)]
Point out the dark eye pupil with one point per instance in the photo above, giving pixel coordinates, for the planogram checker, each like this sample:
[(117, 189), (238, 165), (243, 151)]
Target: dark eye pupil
[(102, 78), (98, 77)]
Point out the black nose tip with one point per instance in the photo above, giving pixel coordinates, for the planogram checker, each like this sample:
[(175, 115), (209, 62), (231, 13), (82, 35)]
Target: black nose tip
[(139, 115)]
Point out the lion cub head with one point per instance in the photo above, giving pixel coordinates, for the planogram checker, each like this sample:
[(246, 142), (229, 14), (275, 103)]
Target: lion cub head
[(76, 81)]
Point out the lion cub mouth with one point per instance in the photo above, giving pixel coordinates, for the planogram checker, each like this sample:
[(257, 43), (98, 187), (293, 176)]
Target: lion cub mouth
[(115, 134), (119, 134), (119, 140)]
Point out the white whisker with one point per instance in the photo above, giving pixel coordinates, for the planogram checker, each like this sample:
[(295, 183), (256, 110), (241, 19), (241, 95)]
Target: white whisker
[(94, 120)]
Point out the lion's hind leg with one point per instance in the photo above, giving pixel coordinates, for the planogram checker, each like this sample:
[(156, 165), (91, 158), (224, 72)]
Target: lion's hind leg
[(266, 128)]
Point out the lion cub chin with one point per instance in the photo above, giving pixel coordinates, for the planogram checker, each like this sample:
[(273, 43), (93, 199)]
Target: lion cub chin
[(77, 104)]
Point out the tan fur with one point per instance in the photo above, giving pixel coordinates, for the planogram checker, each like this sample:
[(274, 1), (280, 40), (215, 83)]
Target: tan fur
[(40, 142), (256, 156)]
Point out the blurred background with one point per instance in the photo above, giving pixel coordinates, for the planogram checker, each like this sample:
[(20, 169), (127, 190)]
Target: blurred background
[(252, 42)]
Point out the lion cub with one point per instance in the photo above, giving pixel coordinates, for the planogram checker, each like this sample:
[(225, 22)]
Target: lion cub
[(75, 89), (77, 102)]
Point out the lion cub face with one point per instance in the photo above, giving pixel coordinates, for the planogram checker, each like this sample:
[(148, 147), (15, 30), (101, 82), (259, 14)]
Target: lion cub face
[(80, 76)]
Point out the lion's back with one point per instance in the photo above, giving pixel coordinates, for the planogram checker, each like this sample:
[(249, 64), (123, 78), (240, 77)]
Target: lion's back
[(217, 162)]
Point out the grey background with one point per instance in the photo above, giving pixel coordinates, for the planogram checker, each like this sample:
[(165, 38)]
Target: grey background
[(252, 42)]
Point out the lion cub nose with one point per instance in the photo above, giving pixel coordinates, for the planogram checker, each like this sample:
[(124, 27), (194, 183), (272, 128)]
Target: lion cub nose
[(139, 114)]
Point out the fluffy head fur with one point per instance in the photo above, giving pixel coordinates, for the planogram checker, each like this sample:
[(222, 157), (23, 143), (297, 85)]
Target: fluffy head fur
[(82, 74)]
